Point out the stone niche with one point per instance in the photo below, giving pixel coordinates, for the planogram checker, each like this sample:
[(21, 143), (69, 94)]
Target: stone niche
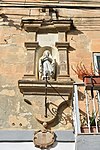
[(49, 33), (47, 36)]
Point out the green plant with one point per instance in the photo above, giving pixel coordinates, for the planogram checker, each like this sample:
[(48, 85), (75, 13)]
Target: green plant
[(92, 119), (84, 120)]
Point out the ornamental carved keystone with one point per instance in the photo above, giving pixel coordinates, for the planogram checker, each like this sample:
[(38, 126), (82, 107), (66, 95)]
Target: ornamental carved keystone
[(44, 139)]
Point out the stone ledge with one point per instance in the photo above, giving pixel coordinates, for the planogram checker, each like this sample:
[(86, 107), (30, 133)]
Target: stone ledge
[(88, 142), (38, 87), (27, 135)]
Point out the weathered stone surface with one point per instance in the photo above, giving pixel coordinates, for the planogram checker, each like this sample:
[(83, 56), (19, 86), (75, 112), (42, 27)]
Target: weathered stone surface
[(84, 39), (17, 121), (7, 92)]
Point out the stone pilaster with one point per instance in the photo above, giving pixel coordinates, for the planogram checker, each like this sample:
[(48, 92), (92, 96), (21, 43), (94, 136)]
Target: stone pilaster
[(63, 68), (31, 59)]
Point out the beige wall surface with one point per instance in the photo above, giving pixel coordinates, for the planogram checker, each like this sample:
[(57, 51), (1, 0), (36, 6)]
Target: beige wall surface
[(84, 39)]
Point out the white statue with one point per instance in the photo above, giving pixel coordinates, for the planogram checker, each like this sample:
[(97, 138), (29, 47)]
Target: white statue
[(46, 66)]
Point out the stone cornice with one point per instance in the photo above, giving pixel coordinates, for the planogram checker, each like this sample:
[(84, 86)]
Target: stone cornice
[(87, 4), (62, 45), (34, 25), (87, 23), (30, 45)]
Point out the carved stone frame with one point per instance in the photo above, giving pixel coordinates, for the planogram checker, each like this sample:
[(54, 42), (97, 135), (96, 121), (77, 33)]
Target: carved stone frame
[(42, 26)]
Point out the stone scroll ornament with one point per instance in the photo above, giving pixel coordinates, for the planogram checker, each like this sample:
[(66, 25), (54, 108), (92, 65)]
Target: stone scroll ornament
[(46, 66)]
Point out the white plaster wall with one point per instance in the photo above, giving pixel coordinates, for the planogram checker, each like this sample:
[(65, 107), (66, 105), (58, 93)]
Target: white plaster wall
[(49, 40), (30, 146)]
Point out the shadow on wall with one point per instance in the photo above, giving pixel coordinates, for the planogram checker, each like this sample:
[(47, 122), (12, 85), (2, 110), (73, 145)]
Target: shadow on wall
[(10, 22), (74, 31), (81, 96), (58, 111)]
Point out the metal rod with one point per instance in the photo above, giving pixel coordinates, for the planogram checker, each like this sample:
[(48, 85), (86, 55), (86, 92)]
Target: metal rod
[(74, 116), (46, 96), (94, 111), (87, 110), (57, 91), (77, 113), (99, 103), (93, 101)]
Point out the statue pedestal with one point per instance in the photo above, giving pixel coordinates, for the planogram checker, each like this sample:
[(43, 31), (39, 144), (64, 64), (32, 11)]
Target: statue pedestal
[(58, 94), (32, 87)]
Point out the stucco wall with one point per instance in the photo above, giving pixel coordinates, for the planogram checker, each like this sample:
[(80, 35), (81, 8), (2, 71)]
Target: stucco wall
[(84, 39)]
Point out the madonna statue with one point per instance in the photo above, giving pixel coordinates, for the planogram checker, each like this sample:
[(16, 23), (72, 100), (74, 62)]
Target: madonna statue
[(46, 66)]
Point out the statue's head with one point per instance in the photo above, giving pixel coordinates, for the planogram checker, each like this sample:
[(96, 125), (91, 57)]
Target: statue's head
[(46, 53)]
